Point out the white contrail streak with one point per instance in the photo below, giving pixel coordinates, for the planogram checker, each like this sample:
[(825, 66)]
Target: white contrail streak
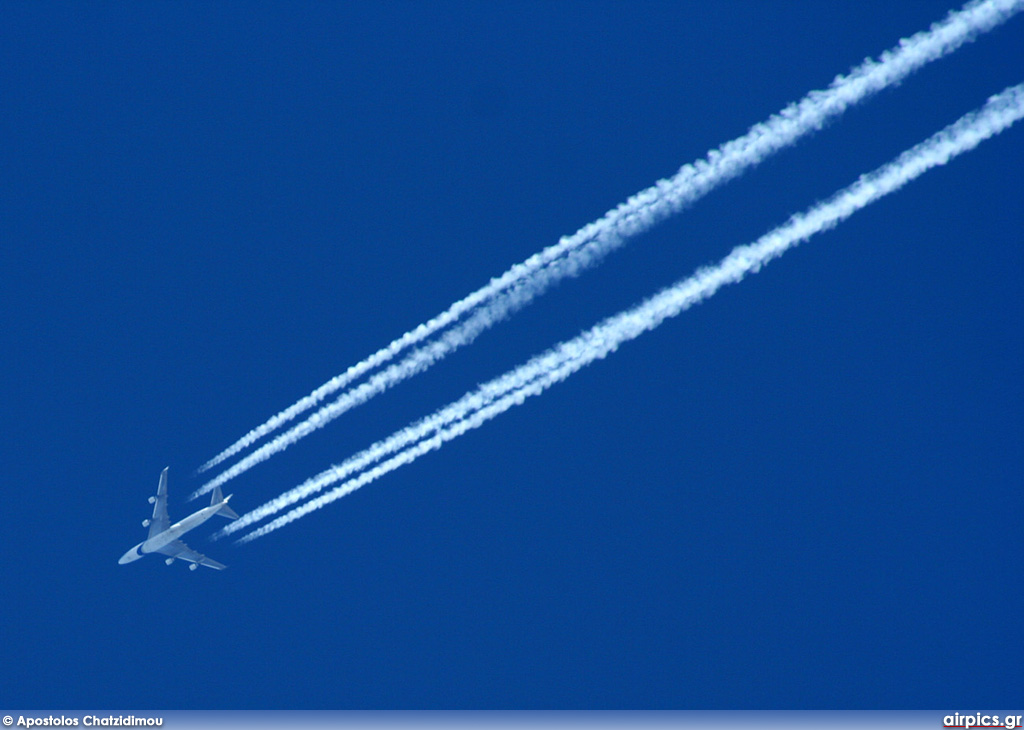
[(557, 364), (527, 280)]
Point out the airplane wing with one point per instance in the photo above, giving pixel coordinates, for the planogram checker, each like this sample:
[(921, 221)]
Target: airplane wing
[(160, 521), (180, 550)]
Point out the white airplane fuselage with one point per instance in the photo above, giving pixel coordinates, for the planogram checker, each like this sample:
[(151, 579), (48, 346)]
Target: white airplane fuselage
[(165, 538), (172, 533)]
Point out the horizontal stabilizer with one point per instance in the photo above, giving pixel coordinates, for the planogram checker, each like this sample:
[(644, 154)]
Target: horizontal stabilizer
[(226, 511), (218, 498)]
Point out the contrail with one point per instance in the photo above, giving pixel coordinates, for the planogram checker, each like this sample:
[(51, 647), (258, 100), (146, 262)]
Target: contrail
[(469, 403), (557, 364), (527, 280)]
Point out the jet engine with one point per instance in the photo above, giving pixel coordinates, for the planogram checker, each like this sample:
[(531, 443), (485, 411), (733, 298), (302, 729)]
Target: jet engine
[(145, 523), (169, 561), (193, 566)]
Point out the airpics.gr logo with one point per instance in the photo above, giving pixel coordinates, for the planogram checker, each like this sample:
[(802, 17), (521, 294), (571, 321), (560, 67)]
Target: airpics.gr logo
[(979, 720)]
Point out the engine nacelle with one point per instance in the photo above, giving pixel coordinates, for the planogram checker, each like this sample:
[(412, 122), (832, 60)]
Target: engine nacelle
[(169, 561), (145, 523), (193, 566), (152, 500)]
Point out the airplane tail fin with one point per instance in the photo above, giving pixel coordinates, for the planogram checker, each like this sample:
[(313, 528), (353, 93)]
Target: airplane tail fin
[(224, 511)]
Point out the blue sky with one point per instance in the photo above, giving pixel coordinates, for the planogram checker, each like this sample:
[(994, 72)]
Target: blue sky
[(804, 493)]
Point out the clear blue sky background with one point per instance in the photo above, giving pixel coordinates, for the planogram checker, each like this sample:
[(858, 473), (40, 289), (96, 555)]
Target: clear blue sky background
[(805, 493)]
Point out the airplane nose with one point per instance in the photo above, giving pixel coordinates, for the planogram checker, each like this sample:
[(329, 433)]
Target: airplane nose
[(131, 555)]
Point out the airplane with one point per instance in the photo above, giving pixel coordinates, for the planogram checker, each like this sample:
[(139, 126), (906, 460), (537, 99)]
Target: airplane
[(163, 536)]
